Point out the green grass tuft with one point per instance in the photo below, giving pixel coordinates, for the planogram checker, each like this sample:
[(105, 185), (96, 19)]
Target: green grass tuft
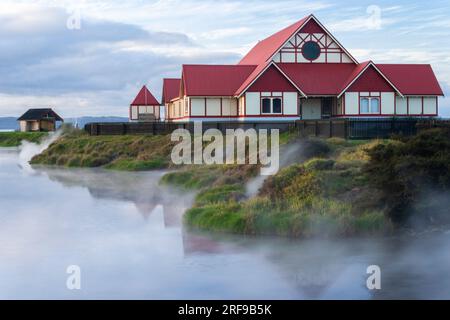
[(14, 139), (127, 153)]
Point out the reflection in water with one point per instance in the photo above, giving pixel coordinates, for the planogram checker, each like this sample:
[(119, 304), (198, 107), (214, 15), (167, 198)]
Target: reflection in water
[(141, 189), (124, 230)]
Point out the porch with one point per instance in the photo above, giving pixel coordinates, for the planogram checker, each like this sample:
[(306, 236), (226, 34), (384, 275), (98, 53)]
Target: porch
[(318, 108)]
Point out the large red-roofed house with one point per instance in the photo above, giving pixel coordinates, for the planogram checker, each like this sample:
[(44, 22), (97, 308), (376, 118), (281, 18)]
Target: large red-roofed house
[(300, 72)]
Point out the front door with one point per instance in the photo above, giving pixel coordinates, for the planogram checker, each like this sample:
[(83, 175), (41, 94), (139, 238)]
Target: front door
[(327, 105), (311, 109)]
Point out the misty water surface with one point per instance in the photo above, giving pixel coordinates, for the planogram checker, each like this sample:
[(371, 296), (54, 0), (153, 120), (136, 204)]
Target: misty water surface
[(125, 233)]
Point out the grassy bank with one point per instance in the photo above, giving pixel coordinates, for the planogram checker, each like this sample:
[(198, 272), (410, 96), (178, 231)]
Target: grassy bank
[(14, 139), (130, 153), (328, 187), (357, 187), (320, 196)]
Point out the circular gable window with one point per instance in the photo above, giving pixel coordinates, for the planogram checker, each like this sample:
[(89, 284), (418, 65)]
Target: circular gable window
[(311, 50)]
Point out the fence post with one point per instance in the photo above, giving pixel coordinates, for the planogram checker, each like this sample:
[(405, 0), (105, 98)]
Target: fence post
[(346, 136), (331, 129)]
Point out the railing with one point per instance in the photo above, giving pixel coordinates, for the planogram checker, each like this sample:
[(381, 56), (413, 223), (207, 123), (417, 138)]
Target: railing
[(341, 128)]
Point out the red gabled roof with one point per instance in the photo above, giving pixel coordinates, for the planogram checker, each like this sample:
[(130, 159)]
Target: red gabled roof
[(145, 98), (171, 89), (251, 77), (355, 73), (266, 48), (412, 79), (261, 53), (214, 80), (309, 78), (318, 78)]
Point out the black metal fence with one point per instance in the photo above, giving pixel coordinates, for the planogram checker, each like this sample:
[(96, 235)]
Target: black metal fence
[(375, 128), (122, 128), (341, 128)]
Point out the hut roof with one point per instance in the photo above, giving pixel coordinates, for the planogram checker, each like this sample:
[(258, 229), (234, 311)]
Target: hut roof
[(39, 114)]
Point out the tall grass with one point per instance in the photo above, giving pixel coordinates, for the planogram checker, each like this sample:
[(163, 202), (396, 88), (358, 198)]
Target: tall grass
[(14, 139), (132, 153)]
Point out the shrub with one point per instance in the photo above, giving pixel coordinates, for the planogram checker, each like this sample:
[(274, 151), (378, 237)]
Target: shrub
[(223, 217), (315, 148), (403, 171), (319, 164), (220, 194)]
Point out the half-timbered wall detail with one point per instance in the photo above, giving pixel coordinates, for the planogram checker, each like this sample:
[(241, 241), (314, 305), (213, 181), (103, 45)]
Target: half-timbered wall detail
[(312, 45)]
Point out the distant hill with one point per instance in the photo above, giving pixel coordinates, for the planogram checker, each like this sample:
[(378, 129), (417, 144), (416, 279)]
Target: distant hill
[(10, 123)]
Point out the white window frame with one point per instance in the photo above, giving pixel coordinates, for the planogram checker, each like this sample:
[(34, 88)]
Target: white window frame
[(271, 98), (370, 98)]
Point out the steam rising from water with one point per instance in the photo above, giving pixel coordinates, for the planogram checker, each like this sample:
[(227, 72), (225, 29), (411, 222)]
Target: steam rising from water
[(290, 154), (113, 226), (29, 149)]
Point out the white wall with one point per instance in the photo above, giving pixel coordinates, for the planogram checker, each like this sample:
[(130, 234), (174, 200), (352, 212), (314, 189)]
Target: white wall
[(229, 106), (213, 106), (241, 105), (290, 103), (415, 105), (288, 57), (430, 105), (387, 103), (23, 126), (137, 110), (351, 103), (252, 103), (134, 113), (401, 105), (197, 106), (333, 54), (29, 125), (178, 108)]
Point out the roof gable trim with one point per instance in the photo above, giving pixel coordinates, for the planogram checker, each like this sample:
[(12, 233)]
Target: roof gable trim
[(362, 72), (324, 29), (238, 95)]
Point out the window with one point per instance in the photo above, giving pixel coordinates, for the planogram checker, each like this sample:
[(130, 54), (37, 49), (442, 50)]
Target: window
[(272, 105), (276, 105), (369, 105), (311, 50), (364, 105), (375, 105), (266, 105)]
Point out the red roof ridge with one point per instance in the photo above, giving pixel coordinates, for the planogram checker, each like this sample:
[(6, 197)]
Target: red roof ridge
[(145, 98)]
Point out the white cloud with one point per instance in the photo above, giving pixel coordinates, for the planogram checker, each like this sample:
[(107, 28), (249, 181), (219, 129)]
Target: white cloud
[(123, 44), (225, 33)]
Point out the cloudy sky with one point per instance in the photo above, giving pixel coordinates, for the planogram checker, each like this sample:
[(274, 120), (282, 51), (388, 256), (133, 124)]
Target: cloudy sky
[(90, 57)]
